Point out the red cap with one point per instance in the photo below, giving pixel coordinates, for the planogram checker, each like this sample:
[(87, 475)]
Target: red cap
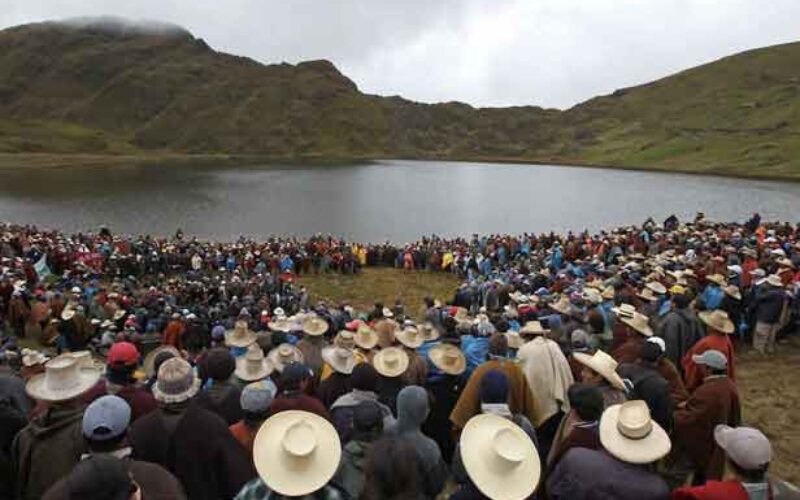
[(123, 353)]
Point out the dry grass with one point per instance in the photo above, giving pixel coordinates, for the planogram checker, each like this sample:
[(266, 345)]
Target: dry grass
[(382, 285), (771, 402)]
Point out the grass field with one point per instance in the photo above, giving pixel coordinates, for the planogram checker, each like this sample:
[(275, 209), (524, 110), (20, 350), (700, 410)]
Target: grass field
[(768, 388)]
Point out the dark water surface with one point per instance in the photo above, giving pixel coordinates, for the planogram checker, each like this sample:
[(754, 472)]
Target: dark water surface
[(395, 200)]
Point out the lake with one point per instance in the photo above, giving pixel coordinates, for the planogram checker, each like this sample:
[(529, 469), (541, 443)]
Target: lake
[(386, 200)]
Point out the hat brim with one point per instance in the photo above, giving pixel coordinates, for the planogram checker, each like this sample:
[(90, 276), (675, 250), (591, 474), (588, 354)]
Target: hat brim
[(296, 476), (338, 364), (242, 373), (390, 371), (37, 389), (611, 376), (149, 361), (633, 451), (275, 359), (179, 397), (728, 327), (646, 331), (487, 471), (245, 341), (437, 356)]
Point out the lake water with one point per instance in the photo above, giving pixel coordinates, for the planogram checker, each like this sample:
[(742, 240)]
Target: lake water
[(394, 200)]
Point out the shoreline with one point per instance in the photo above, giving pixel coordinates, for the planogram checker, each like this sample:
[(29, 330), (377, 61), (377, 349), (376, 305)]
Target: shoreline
[(53, 160)]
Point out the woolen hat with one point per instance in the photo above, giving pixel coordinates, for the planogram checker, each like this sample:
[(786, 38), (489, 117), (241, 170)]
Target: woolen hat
[(106, 418), (176, 382)]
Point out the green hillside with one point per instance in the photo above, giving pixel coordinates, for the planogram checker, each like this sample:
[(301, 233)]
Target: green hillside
[(108, 88)]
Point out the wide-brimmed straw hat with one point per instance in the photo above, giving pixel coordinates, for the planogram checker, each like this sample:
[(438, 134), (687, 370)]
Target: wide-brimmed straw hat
[(533, 328), (629, 433), (148, 365), (448, 358), (284, 354), (176, 382), (718, 320), (280, 324), (31, 357), (365, 337), (240, 336), (656, 287), (717, 278), (733, 291), (638, 322), (603, 364), (118, 314), (515, 341), (296, 452), (65, 377), (608, 293), (253, 365), (647, 294), (342, 360), (391, 362), (562, 305), (346, 339), (411, 337), (624, 311), (315, 326), (499, 457), (774, 280), (67, 314), (592, 295)]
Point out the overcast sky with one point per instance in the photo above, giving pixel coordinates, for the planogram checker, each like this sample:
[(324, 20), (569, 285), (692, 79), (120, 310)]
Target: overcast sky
[(552, 53)]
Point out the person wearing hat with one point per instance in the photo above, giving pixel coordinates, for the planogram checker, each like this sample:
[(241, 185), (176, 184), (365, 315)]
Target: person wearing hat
[(105, 428), (748, 454), (296, 379), (313, 342), (364, 381), (296, 454), (412, 411), (411, 339), (637, 331), (715, 401), (767, 307), (713, 293), (367, 428), (99, 477), (121, 363), (520, 394), (549, 377), (341, 361), (681, 329), (191, 442), (255, 402), (220, 394), (624, 469), (649, 385), (719, 328), (55, 432)]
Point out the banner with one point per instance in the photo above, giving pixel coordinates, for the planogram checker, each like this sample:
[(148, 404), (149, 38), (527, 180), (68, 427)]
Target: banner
[(41, 267)]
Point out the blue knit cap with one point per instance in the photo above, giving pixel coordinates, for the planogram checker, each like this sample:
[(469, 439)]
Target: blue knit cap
[(494, 387)]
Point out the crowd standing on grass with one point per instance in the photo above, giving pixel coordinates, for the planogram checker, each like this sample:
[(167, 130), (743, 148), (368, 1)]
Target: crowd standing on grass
[(570, 366)]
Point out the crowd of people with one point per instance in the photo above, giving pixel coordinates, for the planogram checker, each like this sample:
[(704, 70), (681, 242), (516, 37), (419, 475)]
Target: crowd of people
[(573, 366)]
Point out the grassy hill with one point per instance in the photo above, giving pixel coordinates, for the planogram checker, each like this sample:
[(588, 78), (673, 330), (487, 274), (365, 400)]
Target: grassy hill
[(112, 88)]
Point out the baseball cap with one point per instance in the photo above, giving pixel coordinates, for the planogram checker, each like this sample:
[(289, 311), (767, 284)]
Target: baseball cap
[(747, 447), (711, 358), (106, 418), (257, 397), (123, 353)]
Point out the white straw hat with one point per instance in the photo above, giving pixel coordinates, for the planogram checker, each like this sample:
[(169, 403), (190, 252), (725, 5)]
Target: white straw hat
[(533, 328), (284, 354), (296, 452), (240, 336), (365, 337), (253, 365), (629, 433), (410, 337), (500, 458), (448, 358), (340, 359), (315, 326), (391, 362), (65, 377), (638, 322), (718, 320), (603, 364)]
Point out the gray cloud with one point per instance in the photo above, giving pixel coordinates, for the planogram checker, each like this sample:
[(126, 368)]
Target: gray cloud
[(552, 53)]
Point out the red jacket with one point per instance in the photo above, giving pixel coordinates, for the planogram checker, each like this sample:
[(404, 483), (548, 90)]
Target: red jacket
[(714, 490)]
